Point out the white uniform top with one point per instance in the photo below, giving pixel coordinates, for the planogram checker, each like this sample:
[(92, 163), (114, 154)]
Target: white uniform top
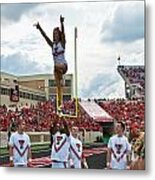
[(60, 147), (58, 58), (120, 147), (20, 144), (75, 151)]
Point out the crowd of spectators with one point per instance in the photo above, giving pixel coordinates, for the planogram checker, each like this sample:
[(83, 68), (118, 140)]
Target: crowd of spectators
[(40, 116), (134, 74), (131, 112)]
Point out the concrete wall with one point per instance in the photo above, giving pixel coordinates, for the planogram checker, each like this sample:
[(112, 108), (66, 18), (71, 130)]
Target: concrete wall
[(34, 84)]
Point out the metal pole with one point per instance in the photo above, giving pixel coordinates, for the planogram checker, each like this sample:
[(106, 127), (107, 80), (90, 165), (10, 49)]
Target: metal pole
[(75, 59), (75, 66)]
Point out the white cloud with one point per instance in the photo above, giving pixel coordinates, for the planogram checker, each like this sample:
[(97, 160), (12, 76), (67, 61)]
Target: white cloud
[(126, 24), (21, 65), (13, 12), (95, 56)]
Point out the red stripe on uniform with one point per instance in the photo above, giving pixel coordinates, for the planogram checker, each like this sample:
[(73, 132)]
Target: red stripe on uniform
[(57, 149), (74, 151), (114, 153), (122, 155), (21, 154)]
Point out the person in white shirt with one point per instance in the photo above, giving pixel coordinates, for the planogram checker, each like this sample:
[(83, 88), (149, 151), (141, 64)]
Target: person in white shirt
[(20, 147), (58, 52), (118, 149), (76, 150), (60, 145)]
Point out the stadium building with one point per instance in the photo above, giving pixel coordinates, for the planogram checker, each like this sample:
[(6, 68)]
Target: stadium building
[(134, 79), (30, 89)]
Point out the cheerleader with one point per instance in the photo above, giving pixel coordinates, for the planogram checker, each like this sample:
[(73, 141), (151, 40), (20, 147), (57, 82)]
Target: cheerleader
[(58, 52)]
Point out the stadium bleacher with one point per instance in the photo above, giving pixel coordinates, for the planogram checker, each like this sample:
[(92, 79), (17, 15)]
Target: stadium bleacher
[(134, 76), (129, 111), (39, 117)]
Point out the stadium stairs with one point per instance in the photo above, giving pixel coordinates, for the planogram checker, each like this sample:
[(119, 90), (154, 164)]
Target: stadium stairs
[(94, 110)]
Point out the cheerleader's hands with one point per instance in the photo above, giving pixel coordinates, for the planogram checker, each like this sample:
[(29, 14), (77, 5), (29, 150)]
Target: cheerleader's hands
[(29, 162), (37, 25), (128, 168), (62, 19)]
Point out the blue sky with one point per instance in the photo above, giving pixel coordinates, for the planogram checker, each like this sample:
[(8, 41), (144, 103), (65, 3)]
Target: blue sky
[(105, 30)]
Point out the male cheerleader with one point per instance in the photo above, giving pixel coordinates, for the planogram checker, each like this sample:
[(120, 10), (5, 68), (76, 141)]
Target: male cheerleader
[(61, 144), (118, 149), (19, 147), (76, 156)]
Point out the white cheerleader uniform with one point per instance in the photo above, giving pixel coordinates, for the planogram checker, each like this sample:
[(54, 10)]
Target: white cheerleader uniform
[(20, 144), (75, 152), (58, 52), (60, 150), (119, 147)]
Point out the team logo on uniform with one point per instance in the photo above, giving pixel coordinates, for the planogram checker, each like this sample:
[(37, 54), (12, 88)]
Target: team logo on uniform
[(59, 138), (78, 147), (21, 142), (118, 148), (59, 142)]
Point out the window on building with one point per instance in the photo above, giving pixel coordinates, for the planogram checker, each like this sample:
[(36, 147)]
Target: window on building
[(24, 94), (52, 83), (4, 91), (28, 96), (66, 97), (20, 94), (31, 96), (68, 83)]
